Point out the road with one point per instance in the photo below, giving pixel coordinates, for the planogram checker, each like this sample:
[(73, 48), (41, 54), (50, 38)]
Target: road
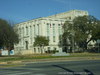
[(89, 67)]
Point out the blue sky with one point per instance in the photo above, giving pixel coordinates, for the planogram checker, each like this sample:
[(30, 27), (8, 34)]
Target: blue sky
[(22, 10)]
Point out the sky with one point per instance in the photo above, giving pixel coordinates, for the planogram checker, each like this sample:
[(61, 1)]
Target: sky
[(17, 11)]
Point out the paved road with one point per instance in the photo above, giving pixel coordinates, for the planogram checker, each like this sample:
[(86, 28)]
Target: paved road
[(55, 68)]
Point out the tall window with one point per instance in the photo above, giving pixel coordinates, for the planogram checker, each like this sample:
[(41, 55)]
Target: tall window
[(38, 28), (59, 29), (38, 50), (34, 30), (26, 30), (48, 29), (53, 38), (48, 37), (53, 29), (23, 31), (53, 32), (31, 34), (30, 30), (19, 32), (34, 50)]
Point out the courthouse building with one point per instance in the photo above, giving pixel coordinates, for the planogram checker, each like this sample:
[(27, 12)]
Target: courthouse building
[(50, 27)]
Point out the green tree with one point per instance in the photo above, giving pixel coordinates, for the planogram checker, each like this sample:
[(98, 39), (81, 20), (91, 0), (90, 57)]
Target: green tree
[(96, 31), (7, 35), (85, 28), (67, 29), (82, 30), (41, 41)]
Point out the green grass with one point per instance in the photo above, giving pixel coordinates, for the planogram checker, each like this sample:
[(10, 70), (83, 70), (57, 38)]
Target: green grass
[(32, 57), (10, 65)]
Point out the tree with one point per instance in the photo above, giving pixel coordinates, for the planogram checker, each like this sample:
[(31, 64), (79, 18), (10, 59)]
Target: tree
[(85, 27), (41, 41), (96, 31), (65, 40), (81, 29), (7, 35)]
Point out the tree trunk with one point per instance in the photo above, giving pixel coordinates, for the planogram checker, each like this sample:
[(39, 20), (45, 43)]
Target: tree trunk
[(85, 46), (41, 50)]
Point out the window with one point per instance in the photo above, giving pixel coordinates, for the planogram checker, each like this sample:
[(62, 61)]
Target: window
[(26, 44), (53, 38), (53, 32), (26, 30), (34, 30), (48, 37), (38, 28), (23, 31), (48, 48), (48, 34), (53, 29), (55, 48), (34, 50), (31, 40), (30, 30), (69, 18), (47, 23), (39, 50), (59, 29), (19, 32)]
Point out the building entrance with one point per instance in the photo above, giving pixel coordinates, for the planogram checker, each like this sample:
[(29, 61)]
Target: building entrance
[(26, 44)]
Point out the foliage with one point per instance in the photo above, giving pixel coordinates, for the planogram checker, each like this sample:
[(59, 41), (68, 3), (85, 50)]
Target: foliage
[(96, 31), (41, 41), (7, 35), (83, 29)]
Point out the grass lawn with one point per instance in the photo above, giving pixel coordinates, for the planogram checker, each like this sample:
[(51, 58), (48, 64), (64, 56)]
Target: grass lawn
[(45, 56)]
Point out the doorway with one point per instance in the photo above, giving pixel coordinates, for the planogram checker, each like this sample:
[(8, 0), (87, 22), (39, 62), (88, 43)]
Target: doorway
[(26, 44)]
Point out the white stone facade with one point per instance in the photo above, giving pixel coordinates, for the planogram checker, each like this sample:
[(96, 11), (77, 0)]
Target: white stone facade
[(50, 26)]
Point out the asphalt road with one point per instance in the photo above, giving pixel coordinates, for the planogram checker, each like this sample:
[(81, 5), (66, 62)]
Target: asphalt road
[(89, 67)]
